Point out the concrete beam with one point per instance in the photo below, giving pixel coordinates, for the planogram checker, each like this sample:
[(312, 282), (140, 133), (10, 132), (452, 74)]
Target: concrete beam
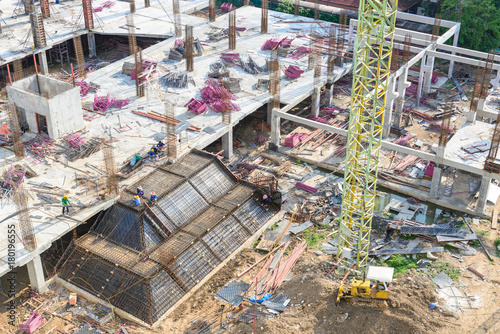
[(466, 52), (35, 273), (461, 59), (424, 19), (393, 147)]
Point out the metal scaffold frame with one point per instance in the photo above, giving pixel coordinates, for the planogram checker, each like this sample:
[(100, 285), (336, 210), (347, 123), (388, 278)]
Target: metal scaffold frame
[(371, 69)]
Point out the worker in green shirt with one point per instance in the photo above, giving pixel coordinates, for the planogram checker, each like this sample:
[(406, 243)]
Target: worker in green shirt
[(65, 203)]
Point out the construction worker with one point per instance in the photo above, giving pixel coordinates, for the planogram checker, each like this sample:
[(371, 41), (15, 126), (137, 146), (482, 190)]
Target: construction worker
[(153, 197), (140, 192), (265, 199), (160, 145), (135, 159), (66, 204), (136, 200), (152, 154), (5, 130)]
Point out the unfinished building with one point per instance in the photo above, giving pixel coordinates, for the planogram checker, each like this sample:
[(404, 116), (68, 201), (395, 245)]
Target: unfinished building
[(144, 259), (46, 105)]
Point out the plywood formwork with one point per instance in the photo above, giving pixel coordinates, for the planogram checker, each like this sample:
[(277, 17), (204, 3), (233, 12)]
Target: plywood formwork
[(150, 257)]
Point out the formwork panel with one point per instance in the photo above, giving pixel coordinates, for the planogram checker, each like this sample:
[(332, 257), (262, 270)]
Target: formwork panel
[(159, 181), (206, 221), (194, 264), (253, 215), (182, 204), (226, 237), (188, 165), (165, 293), (235, 197), (212, 182)]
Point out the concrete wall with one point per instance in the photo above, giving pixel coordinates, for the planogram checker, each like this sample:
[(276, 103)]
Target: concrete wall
[(62, 109)]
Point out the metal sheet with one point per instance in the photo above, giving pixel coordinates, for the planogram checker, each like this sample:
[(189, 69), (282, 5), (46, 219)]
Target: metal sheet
[(431, 230), (407, 251)]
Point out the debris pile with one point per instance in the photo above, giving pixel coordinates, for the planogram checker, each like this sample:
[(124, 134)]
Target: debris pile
[(103, 103), (213, 94), (177, 80)]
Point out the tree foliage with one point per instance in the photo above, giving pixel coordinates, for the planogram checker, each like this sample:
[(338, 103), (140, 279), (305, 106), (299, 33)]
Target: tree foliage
[(285, 6), (480, 22)]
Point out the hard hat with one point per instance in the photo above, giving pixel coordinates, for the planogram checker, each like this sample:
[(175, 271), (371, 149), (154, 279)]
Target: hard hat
[(136, 196), (65, 196), (153, 193), (140, 188), (152, 149)]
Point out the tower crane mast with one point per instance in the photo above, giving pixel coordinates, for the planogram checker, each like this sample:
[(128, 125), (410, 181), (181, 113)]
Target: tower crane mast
[(372, 59)]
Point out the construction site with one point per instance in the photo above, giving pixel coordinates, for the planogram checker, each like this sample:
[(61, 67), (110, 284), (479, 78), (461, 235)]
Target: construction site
[(192, 166)]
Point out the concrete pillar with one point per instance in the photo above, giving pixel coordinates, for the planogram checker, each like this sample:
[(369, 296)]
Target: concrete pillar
[(403, 84), (438, 169), (35, 273), (471, 116), (275, 129), (496, 81), (436, 181), (329, 93), (389, 102), (421, 79), (452, 62), (44, 65), (269, 111), (428, 72), (92, 47), (315, 100), (483, 193), (227, 143)]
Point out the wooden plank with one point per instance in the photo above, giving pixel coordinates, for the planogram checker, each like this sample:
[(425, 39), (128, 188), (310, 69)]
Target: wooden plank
[(494, 219)]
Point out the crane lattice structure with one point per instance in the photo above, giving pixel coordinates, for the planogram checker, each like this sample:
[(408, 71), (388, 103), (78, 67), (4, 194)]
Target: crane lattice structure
[(373, 50)]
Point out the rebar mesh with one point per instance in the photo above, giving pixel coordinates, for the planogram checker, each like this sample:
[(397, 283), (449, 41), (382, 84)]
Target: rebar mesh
[(264, 17), (25, 225), (156, 266), (211, 10), (17, 135), (177, 18), (232, 30), (170, 131), (189, 48), (109, 163), (274, 80)]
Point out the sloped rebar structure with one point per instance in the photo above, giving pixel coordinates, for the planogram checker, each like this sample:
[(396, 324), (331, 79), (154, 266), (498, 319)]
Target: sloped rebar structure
[(371, 69), (144, 259)]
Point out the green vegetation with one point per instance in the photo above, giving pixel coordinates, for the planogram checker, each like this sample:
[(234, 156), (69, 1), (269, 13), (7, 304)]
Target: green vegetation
[(475, 243), (497, 243), (401, 264), (483, 233), (285, 6), (313, 238), (480, 22), (440, 266), (407, 237)]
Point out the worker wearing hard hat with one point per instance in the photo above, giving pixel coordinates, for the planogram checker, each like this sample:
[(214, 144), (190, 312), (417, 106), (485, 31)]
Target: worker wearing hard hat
[(65, 204)]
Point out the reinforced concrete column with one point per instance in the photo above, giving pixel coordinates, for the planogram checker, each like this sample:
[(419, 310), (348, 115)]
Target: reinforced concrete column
[(35, 273), (429, 68), (329, 93), (315, 100), (269, 111), (389, 102), (421, 78), (452, 62), (483, 194), (438, 171), (92, 46), (275, 128), (227, 143), (44, 65), (403, 84)]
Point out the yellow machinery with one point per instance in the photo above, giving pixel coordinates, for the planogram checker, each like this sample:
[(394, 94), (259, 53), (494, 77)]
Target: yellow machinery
[(375, 286)]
